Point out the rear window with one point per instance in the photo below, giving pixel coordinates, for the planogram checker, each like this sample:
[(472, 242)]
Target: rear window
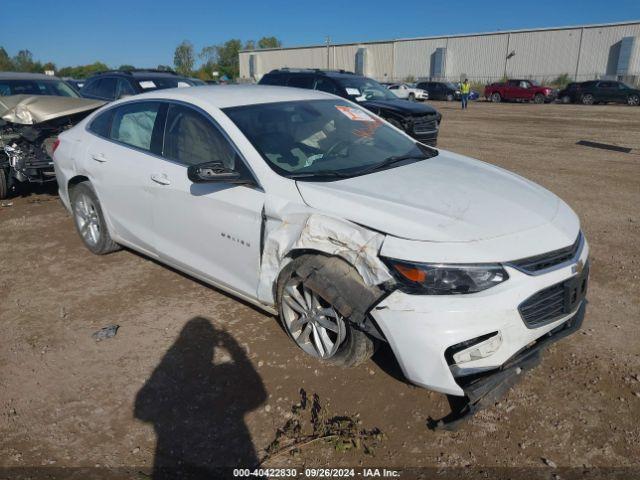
[(36, 87), (161, 83), (274, 79)]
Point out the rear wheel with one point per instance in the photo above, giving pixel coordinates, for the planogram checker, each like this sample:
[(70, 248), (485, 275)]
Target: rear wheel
[(89, 220), (633, 100), (588, 99), (320, 301), (538, 98), (495, 97), (4, 183)]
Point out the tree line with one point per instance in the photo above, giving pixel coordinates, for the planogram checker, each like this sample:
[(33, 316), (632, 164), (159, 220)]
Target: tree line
[(222, 58)]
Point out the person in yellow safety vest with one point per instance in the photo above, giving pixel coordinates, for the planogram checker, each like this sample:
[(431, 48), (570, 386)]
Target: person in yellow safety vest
[(465, 89)]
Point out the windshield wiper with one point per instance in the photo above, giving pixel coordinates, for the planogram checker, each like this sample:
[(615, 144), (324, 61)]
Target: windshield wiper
[(319, 173), (393, 160)]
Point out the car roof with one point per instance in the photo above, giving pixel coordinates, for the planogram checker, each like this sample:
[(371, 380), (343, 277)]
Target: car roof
[(224, 96), (137, 74), (313, 71), (26, 76)]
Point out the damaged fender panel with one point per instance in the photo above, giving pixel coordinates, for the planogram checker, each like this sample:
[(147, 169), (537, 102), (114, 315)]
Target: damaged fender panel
[(295, 227)]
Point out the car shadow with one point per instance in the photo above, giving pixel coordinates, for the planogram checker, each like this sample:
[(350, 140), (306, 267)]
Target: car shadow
[(197, 403)]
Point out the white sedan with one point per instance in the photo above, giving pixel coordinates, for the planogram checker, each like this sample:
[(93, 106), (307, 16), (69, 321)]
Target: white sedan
[(402, 90), (316, 210)]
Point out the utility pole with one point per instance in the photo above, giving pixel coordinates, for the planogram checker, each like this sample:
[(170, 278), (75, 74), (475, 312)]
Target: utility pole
[(328, 41)]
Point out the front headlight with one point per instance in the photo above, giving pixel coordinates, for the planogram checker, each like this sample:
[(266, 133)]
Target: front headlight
[(437, 279)]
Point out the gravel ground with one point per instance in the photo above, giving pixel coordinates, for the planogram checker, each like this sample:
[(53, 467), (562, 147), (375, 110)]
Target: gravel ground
[(68, 401)]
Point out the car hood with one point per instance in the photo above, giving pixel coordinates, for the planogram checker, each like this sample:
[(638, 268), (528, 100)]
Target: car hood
[(448, 198), (34, 109), (402, 107)]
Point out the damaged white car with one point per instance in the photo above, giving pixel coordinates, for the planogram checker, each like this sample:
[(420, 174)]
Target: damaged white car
[(29, 126), (314, 209)]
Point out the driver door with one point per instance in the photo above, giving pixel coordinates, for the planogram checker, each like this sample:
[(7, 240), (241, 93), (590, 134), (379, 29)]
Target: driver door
[(211, 230)]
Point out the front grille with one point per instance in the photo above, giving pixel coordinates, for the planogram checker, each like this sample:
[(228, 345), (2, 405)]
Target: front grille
[(425, 125), (547, 260), (555, 301)]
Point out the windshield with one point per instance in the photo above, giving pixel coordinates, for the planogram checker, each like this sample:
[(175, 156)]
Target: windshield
[(361, 89), (161, 83), (36, 87), (452, 86), (323, 138)]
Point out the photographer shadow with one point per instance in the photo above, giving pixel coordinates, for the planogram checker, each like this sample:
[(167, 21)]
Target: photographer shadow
[(197, 407)]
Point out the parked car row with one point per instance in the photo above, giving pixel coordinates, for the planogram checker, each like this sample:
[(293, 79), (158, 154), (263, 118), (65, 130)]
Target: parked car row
[(599, 91), (422, 122)]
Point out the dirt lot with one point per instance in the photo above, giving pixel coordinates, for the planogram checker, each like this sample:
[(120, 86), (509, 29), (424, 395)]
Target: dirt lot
[(68, 401)]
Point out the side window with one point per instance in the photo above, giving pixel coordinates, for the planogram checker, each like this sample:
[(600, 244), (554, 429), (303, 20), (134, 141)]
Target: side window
[(191, 138), (605, 85), (106, 88), (124, 88), (394, 87), (301, 81), (101, 125), (326, 85), (133, 124), (274, 79), (90, 87)]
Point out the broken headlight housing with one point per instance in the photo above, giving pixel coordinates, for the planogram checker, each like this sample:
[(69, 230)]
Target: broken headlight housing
[(439, 279)]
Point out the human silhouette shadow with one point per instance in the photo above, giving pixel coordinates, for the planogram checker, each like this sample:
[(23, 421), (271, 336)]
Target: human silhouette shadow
[(197, 407)]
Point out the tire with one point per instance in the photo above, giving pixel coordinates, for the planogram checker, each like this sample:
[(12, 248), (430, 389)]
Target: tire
[(4, 183), (633, 100), (538, 98), (411, 97), (565, 99), (89, 220), (496, 98), (449, 97), (587, 99), (313, 283)]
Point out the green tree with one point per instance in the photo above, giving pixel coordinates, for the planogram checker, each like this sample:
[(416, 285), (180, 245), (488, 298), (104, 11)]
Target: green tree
[(126, 67), (49, 66), (23, 61), (5, 61), (183, 58), (165, 68), (209, 56), (269, 42), (250, 45), (228, 58)]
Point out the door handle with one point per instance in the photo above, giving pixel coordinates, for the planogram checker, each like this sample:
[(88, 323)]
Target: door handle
[(99, 157), (161, 179)]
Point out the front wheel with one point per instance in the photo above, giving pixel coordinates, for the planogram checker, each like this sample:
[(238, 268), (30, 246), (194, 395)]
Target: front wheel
[(320, 300), (412, 97), (566, 99), (588, 99), (633, 100), (538, 98), (449, 97), (89, 220)]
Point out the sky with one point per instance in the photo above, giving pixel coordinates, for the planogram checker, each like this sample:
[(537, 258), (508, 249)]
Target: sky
[(145, 33)]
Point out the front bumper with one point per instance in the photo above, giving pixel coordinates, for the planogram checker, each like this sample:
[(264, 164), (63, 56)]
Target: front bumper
[(420, 328)]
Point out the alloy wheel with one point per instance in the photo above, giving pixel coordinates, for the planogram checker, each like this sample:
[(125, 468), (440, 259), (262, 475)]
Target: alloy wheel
[(633, 100), (87, 219), (312, 322)]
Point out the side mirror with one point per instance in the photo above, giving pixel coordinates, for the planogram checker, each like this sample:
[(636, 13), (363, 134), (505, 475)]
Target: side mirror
[(215, 172)]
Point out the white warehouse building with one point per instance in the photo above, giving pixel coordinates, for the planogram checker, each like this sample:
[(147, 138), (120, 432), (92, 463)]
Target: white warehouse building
[(584, 52)]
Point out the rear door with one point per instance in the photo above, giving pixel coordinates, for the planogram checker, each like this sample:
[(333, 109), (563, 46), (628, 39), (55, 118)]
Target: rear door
[(606, 92), (120, 164), (209, 229)]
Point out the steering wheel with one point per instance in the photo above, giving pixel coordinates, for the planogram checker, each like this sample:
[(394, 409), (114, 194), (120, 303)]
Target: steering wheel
[(335, 147)]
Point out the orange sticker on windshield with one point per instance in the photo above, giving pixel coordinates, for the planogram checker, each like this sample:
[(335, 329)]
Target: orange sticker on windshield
[(354, 114)]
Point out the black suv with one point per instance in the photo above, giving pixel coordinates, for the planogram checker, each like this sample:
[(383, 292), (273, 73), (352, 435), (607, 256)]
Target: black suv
[(419, 121), (599, 91), (440, 90), (117, 84)]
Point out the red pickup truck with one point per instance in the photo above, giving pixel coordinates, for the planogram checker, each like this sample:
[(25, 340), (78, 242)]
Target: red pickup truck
[(519, 90)]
